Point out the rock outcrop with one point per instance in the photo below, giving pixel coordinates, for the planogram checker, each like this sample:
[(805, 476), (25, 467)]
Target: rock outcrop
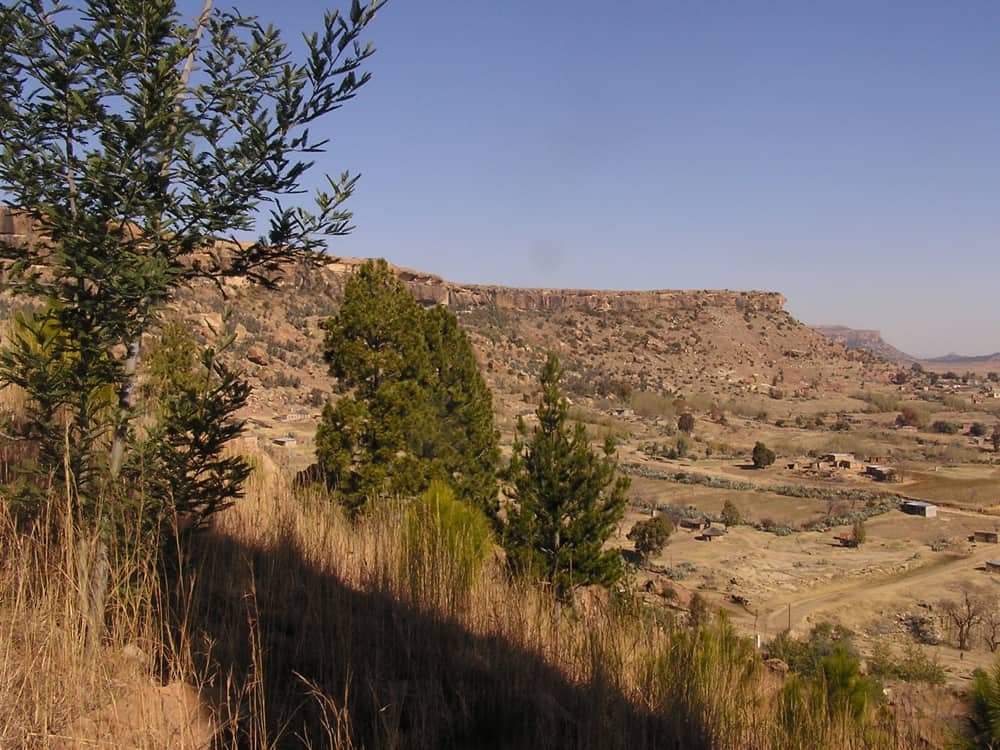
[(434, 290)]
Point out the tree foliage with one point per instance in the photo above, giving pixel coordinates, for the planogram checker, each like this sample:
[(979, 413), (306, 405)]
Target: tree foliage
[(413, 406), (731, 514), (179, 470), (565, 497), (133, 140), (651, 535), (762, 455)]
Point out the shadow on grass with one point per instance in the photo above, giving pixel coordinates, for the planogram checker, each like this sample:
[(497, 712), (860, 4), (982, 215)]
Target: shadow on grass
[(403, 678)]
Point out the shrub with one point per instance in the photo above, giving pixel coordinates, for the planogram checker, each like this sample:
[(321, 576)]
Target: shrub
[(731, 514), (914, 665), (911, 417), (859, 533), (685, 422), (944, 427), (445, 544)]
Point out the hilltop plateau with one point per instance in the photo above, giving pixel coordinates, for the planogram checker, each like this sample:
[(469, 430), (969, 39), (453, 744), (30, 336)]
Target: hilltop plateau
[(719, 345)]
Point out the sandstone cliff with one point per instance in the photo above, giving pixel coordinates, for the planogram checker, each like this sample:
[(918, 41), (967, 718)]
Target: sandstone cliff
[(430, 289)]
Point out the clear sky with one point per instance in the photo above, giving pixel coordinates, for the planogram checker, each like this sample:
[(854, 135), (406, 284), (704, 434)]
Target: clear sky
[(846, 154)]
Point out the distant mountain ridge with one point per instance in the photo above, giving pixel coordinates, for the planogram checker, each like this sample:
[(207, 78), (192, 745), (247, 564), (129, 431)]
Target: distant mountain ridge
[(868, 340), (961, 359)]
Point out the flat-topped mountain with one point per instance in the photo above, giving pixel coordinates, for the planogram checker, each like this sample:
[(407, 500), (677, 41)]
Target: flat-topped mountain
[(867, 340), (431, 289), (722, 344)]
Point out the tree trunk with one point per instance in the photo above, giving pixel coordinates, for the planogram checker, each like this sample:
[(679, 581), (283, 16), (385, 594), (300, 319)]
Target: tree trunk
[(124, 408)]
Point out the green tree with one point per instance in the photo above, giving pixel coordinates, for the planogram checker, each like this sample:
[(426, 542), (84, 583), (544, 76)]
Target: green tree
[(685, 422), (731, 514), (762, 456), (466, 447), (179, 468), (413, 406), (376, 350), (995, 438), (651, 535), (565, 497), (133, 140)]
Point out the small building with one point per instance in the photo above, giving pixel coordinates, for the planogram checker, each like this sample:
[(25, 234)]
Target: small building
[(840, 460), (919, 508), (286, 442), (989, 537), (993, 566), (694, 522), (710, 533), (880, 472)]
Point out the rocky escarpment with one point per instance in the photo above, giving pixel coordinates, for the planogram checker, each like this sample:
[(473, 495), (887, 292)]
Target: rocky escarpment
[(430, 289)]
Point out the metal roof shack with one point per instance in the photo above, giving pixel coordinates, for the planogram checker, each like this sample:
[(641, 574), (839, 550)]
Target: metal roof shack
[(880, 472), (919, 508), (993, 566), (710, 533), (694, 522)]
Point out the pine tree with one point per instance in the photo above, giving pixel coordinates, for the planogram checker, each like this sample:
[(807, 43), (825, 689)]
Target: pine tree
[(376, 349), (466, 442), (566, 500), (413, 404)]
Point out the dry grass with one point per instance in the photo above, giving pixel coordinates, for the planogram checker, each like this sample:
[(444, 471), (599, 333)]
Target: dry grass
[(299, 628)]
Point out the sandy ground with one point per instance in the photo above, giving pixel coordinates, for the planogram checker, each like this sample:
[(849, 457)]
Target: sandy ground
[(803, 579)]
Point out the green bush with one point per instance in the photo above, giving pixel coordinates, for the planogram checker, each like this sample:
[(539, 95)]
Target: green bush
[(651, 535), (446, 542), (944, 427), (731, 514), (914, 665)]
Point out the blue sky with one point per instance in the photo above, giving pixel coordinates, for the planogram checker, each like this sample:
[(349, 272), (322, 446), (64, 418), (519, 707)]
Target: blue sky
[(846, 154)]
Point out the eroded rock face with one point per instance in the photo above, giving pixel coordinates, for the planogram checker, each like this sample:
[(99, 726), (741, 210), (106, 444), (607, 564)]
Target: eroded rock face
[(433, 290)]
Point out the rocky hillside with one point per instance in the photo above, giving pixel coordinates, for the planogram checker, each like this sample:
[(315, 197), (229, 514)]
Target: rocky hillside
[(720, 344), (870, 341)]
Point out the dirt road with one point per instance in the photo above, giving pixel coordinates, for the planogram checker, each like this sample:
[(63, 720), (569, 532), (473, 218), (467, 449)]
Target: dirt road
[(854, 598)]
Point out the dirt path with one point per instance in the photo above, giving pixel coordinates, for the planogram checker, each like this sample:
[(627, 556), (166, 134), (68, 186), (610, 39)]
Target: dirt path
[(775, 614)]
